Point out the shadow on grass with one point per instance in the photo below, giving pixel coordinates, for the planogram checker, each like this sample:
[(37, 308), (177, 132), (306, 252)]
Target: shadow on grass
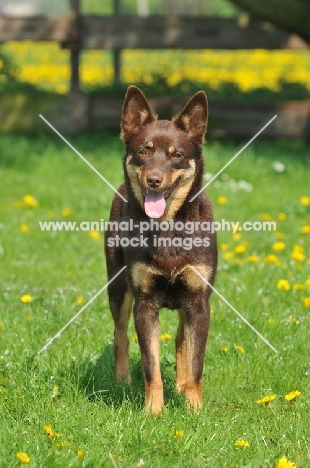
[(95, 378)]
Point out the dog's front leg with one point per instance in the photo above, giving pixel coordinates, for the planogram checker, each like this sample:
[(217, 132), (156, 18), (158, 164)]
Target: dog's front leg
[(196, 334), (148, 331)]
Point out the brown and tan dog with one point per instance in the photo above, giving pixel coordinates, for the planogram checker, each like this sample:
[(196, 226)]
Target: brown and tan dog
[(163, 169)]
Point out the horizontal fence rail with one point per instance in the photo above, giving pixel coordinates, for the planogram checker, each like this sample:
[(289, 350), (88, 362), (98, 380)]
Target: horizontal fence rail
[(76, 32), (153, 32)]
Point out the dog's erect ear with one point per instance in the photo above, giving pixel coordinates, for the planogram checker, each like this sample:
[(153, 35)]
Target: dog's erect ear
[(194, 117), (136, 113)]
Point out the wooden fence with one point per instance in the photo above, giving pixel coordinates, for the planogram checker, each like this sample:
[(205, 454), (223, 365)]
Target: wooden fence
[(77, 32), (77, 112)]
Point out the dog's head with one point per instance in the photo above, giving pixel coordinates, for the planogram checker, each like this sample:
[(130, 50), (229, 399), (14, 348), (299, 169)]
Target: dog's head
[(163, 157)]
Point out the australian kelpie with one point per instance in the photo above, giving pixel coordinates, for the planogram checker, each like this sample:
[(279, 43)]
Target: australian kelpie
[(159, 234)]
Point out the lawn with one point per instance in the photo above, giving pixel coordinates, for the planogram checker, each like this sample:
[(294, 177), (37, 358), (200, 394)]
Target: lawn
[(62, 408)]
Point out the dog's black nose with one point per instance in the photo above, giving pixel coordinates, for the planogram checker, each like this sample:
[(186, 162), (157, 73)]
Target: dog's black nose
[(154, 180)]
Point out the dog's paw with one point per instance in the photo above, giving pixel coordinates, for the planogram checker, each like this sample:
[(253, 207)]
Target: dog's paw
[(154, 409), (193, 395)]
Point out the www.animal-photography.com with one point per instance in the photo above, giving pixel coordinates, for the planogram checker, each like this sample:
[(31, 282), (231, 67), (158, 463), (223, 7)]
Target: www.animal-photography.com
[(154, 234)]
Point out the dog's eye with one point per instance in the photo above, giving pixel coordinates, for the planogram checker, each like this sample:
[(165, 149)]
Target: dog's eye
[(177, 155), (142, 152)]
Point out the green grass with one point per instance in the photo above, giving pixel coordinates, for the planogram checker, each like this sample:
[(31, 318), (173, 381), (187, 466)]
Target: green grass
[(217, 7), (106, 419)]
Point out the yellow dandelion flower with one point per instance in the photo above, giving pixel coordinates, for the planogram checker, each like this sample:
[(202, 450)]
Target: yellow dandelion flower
[(305, 230), (23, 457), (267, 399), (66, 212), (24, 227), (271, 259), (236, 236), (80, 300), (293, 319), (278, 246), (222, 200), (307, 282), (294, 394), (241, 248), (253, 258), (240, 349), (224, 349), (49, 431), (228, 255), (25, 298), (285, 463), (297, 255), (241, 443), (80, 453), (29, 200), (178, 434), (299, 287), (165, 336), (266, 216), (283, 284), (271, 320), (282, 216), (1, 325), (223, 246), (304, 201), (94, 234)]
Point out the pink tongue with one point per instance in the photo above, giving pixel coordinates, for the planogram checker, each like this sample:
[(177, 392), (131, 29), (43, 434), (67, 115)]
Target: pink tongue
[(154, 204)]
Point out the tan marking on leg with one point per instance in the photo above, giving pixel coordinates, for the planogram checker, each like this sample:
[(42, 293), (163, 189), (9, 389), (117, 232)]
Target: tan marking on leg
[(171, 149), (179, 194), (180, 344), (193, 281), (193, 390), (142, 276), (150, 144), (121, 342), (154, 394)]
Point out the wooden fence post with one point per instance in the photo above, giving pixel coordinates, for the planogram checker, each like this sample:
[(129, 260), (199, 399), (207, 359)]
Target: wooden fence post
[(74, 49), (117, 52)]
